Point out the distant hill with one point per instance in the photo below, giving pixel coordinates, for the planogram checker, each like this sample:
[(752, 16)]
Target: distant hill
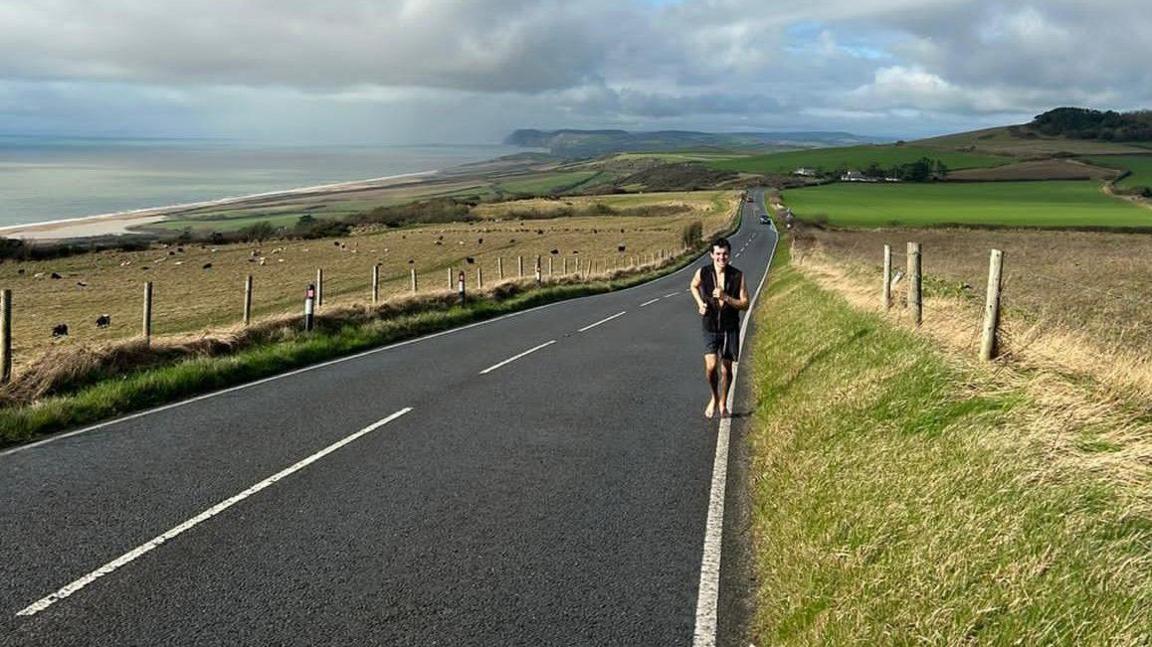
[(591, 143), (1061, 132)]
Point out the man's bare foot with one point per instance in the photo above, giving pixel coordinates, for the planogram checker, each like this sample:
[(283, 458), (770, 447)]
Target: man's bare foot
[(710, 410)]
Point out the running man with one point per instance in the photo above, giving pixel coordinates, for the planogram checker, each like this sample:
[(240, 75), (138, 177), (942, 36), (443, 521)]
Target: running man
[(713, 286)]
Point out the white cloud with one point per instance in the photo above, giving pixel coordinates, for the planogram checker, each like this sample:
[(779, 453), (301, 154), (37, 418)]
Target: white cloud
[(400, 68)]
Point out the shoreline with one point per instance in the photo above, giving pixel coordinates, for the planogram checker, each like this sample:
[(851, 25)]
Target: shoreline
[(120, 222)]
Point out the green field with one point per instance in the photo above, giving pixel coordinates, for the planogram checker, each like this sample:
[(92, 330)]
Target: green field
[(854, 157), (1023, 204), (545, 183), (1140, 165)]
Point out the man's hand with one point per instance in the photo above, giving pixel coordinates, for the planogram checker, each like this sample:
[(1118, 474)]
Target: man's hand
[(719, 295), (703, 308)]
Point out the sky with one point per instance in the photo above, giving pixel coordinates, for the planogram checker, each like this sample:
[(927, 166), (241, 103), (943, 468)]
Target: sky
[(471, 71)]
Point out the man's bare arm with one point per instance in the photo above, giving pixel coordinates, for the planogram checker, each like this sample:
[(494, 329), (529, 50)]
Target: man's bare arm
[(701, 307), (743, 301)]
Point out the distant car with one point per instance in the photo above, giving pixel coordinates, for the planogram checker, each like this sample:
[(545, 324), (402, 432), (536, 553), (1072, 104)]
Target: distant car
[(764, 219)]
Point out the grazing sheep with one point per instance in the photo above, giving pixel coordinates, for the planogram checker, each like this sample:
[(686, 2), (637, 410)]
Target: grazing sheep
[(38, 275), (103, 321), (60, 330)]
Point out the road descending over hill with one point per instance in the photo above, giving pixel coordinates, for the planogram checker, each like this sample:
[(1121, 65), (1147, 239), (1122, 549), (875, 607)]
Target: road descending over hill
[(540, 479)]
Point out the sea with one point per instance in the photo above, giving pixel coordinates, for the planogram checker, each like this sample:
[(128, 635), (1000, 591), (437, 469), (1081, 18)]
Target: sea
[(55, 178)]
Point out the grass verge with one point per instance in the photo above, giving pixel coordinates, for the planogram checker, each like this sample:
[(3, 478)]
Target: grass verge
[(903, 497)]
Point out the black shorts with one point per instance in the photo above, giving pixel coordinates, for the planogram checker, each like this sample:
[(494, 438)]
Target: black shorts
[(725, 343)]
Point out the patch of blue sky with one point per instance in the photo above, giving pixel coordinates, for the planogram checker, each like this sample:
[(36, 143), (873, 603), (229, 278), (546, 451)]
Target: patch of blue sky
[(815, 37)]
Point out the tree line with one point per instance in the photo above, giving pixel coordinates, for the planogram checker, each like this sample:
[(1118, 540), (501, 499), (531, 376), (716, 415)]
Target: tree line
[(1085, 123)]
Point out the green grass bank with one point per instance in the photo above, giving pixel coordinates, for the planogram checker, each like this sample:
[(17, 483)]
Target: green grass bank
[(1007, 204), (897, 500)]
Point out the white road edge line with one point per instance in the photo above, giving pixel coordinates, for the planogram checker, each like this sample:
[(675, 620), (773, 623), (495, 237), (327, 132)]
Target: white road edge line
[(650, 301), (604, 320), (126, 558), (709, 590), (516, 357)]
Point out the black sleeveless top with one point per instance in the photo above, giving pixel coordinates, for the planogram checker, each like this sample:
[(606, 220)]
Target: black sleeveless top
[(728, 318)]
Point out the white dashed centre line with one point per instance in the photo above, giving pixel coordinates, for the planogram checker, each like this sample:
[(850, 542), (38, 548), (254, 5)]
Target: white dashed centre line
[(669, 295), (516, 357), (126, 558), (605, 320), (650, 301)]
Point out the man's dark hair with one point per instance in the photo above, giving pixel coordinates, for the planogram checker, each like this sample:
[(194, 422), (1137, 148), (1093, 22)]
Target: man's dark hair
[(722, 243)]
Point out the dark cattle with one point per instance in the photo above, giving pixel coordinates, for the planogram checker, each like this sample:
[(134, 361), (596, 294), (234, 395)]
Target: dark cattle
[(207, 266), (103, 321), (20, 271), (555, 251), (81, 284), (60, 330), (171, 253), (56, 276), (411, 261), (469, 260), (621, 248), (480, 241), (439, 243)]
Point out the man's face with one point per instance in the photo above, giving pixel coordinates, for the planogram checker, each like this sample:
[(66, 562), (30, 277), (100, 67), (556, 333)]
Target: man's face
[(720, 256)]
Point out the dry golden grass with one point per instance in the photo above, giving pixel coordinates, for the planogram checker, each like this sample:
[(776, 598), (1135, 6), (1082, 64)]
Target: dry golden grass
[(1091, 396), (188, 298), (904, 495)]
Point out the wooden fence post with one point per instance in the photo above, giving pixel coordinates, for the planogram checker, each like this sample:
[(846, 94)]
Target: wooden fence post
[(887, 298), (248, 300), (537, 269), (565, 265), (147, 327), (915, 301), (5, 336), (551, 266), (520, 267), (989, 340), (375, 283), (412, 276), (319, 287), (451, 279), (479, 278), (500, 267)]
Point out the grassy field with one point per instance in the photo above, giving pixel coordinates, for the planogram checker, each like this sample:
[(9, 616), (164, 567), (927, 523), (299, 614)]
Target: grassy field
[(1139, 165), (900, 496), (1021, 204), (190, 298), (1000, 141), (547, 183), (1076, 299), (854, 157)]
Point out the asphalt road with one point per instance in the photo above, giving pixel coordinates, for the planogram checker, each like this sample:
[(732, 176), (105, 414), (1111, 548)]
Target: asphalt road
[(556, 499)]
